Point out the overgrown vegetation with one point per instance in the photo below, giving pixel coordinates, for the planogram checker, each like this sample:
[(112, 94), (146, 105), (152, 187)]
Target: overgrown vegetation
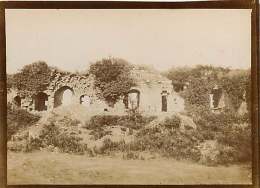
[(18, 119), (165, 139), (133, 121), (112, 78), (238, 87), (31, 79), (54, 136), (200, 81), (230, 131), (98, 123)]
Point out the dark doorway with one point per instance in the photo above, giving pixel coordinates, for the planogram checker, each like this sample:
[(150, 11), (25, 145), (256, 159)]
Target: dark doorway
[(17, 101), (164, 103), (40, 102), (125, 101), (216, 96)]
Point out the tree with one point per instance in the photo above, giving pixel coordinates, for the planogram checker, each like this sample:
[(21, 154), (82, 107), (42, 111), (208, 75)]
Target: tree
[(112, 77), (178, 75), (32, 78)]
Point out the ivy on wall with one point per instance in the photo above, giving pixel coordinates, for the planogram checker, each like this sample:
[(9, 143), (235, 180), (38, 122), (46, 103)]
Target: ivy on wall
[(31, 79), (202, 79)]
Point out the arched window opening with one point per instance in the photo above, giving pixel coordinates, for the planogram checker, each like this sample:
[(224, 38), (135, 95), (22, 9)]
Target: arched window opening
[(84, 100), (17, 101), (63, 96)]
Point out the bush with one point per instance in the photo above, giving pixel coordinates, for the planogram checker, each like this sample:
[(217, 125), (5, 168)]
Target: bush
[(65, 121), (227, 128), (99, 133), (167, 142), (130, 155), (101, 121), (173, 122), (52, 136), (170, 143), (166, 139), (110, 146), (16, 146), (239, 139), (210, 125), (18, 119), (133, 121)]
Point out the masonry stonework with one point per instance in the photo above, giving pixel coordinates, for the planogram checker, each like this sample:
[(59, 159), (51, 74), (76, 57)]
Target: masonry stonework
[(152, 94)]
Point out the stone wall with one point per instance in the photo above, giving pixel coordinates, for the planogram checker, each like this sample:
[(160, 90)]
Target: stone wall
[(153, 89)]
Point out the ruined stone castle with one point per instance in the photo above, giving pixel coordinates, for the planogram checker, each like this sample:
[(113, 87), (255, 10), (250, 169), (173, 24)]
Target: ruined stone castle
[(153, 93)]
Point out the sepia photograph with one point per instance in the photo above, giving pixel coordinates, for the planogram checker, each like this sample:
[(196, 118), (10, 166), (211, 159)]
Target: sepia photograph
[(129, 96)]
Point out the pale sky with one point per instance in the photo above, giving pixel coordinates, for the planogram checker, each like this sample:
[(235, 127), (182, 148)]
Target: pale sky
[(71, 39)]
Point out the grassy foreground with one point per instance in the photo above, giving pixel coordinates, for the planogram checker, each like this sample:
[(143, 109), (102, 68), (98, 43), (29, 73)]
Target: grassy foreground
[(59, 168)]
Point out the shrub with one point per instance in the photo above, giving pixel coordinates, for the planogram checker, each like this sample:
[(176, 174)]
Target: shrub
[(172, 122), (170, 143), (133, 121), (100, 121), (64, 121), (16, 146), (33, 144), (130, 155), (226, 129), (239, 139), (109, 146), (226, 155), (18, 119), (99, 133), (53, 136), (210, 125)]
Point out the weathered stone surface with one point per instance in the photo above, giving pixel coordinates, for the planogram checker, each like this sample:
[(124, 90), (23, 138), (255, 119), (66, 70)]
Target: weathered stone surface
[(152, 87)]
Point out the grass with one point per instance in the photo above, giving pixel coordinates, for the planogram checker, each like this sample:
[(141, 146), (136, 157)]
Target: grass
[(61, 168)]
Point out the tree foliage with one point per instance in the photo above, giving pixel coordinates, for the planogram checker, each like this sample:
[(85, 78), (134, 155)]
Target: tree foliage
[(238, 88), (202, 79), (31, 79), (18, 119), (112, 78)]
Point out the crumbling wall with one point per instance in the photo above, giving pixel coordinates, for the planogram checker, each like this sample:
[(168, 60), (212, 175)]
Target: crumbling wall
[(151, 87), (151, 97)]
